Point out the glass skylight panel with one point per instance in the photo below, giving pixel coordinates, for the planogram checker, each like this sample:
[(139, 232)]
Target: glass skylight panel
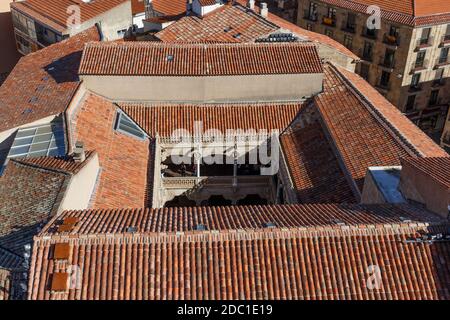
[(44, 140), (126, 125)]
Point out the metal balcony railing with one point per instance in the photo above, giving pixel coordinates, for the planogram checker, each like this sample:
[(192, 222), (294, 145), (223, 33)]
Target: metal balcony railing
[(370, 33), (438, 82), (366, 55), (442, 61), (329, 21), (419, 65), (445, 40), (425, 43), (386, 62), (391, 40), (311, 15), (348, 27)]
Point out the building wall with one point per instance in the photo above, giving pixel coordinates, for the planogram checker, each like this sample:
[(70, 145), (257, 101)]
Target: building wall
[(116, 19), (203, 89), (405, 55), (8, 53)]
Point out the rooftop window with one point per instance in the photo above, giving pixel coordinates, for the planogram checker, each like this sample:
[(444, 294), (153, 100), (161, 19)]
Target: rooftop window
[(125, 125)]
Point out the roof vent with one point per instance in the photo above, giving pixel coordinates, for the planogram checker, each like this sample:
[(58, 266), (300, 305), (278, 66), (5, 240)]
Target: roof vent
[(339, 222), (237, 36), (251, 4), (269, 224), (200, 227), (406, 220), (131, 229), (26, 111), (78, 154), (169, 57), (229, 28)]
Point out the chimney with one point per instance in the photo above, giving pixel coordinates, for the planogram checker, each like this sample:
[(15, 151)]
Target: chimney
[(251, 4), (78, 154), (263, 10)]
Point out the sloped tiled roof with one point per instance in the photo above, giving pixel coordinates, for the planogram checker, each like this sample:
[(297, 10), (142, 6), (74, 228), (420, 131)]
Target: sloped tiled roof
[(147, 220), (436, 167), (409, 12), (137, 6), (225, 24), (28, 197), (290, 263), (165, 59), (55, 13), (169, 7), (42, 83), (123, 180), (164, 119), (62, 163), (366, 129), (313, 166)]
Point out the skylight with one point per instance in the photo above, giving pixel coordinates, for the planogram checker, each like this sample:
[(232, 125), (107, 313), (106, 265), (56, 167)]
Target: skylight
[(125, 125), (45, 140)]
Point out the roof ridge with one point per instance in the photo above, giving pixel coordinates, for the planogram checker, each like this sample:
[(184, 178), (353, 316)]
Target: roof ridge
[(378, 115)]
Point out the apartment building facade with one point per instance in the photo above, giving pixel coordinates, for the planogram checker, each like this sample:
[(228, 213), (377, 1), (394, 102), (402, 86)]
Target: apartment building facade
[(38, 24), (406, 58)]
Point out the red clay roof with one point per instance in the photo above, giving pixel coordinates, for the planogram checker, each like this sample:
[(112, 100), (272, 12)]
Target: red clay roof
[(253, 264), (61, 163), (313, 167), (437, 168), (409, 12), (147, 221), (137, 6), (164, 119), (225, 24), (198, 59), (43, 83), (169, 7), (368, 132), (56, 12), (94, 125)]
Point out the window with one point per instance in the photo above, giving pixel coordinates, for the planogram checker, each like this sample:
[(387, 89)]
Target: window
[(425, 37), (439, 77), (312, 14), (368, 51), (351, 22), (433, 98), (329, 33), (420, 59), (309, 27), (393, 31), (447, 33), (125, 125), (415, 80), (389, 58), (45, 140), (331, 13), (122, 32), (443, 57), (384, 80), (348, 41), (410, 103), (364, 71)]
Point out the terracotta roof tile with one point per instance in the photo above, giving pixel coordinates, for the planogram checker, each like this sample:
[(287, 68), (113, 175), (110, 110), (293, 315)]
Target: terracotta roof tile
[(275, 264), (94, 125), (169, 7), (147, 220), (198, 59), (437, 168), (313, 166), (28, 197), (164, 119), (46, 81), (361, 130), (137, 6), (56, 12), (409, 12), (61, 163), (225, 24)]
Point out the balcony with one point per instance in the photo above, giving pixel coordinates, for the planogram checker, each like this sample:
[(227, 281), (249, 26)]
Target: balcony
[(445, 40), (387, 63), (422, 44), (311, 16), (349, 27), (370, 34), (419, 66), (438, 82), (383, 86), (442, 62), (367, 56), (391, 40), (331, 22), (415, 87)]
